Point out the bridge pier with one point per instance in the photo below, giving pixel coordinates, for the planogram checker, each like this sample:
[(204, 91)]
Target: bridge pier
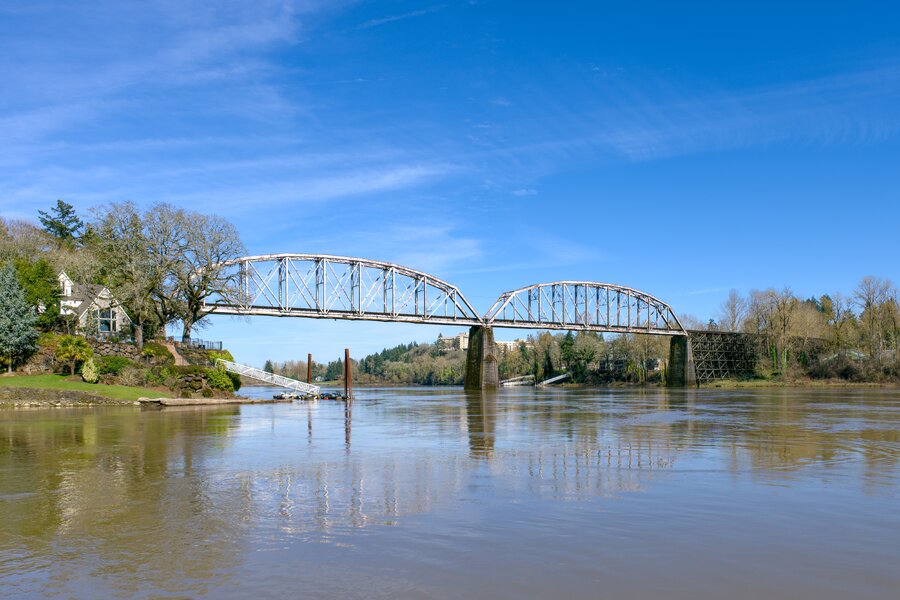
[(482, 370), (681, 371)]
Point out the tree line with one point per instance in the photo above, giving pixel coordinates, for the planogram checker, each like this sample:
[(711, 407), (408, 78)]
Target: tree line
[(854, 336), (587, 357), (160, 264)]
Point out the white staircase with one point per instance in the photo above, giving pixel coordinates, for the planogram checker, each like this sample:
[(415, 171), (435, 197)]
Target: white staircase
[(260, 375)]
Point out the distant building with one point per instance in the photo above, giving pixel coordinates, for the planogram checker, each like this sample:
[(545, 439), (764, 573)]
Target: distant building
[(457, 342), (461, 342), (94, 307), (506, 346)]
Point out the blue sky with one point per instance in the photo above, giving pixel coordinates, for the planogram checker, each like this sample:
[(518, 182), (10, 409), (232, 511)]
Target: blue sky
[(679, 150)]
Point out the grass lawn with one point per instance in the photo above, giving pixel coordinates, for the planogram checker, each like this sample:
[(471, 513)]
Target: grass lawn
[(62, 382)]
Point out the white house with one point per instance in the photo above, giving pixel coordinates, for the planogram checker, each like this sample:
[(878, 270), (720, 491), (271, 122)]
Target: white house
[(94, 306)]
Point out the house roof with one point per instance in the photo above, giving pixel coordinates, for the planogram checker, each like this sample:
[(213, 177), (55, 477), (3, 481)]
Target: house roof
[(86, 294)]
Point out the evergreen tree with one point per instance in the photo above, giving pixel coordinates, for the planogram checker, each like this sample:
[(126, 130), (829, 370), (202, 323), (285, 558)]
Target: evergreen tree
[(41, 289), (61, 221), (17, 320), (335, 370), (269, 367)]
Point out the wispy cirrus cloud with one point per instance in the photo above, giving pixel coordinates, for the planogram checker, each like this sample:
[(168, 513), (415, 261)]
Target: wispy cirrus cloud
[(400, 17), (642, 121), (441, 249), (67, 84), (241, 195)]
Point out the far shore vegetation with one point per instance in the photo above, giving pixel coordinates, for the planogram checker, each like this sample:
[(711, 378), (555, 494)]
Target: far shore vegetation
[(833, 338)]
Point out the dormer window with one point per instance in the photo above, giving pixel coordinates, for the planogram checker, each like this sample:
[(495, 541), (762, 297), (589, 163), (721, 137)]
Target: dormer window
[(67, 288)]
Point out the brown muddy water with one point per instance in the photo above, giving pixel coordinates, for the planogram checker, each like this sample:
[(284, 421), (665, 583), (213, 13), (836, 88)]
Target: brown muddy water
[(432, 493)]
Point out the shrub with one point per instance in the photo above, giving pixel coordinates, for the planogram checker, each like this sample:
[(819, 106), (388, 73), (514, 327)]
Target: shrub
[(218, 379), (113, 365), (158, 376), (89, 371), (188, 370), (132, 376), (155, 350), (223, 354), (73, 349), (48, 340), (235, 380)]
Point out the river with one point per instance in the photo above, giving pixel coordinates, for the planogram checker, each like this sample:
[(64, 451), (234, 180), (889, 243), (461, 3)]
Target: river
[(432, 493)]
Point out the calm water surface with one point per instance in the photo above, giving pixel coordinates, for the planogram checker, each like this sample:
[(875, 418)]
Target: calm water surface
[(432, 493)]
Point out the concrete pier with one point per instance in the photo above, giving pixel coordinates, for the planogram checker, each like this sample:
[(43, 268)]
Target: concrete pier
[(482, 370), (681, 371)]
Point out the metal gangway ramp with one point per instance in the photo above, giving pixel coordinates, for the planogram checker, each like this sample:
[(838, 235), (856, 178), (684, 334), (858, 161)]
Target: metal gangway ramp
[(522, 380), (554, 379), (260, 375)]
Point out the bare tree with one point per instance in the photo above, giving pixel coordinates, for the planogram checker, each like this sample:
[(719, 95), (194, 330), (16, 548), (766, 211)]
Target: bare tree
[(691, 322), (132, 271), (733, 312), (786, 307), (20, 240), (166, 232), (840, 319), (209, 241), (871, 297), (771, 313)]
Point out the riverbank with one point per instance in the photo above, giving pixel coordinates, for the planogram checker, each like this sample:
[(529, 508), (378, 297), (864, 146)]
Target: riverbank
[(796, 383), (209, 401), (61, 390)]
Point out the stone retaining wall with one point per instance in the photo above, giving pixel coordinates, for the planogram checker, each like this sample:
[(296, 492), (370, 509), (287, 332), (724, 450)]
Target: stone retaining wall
[(114, 349)]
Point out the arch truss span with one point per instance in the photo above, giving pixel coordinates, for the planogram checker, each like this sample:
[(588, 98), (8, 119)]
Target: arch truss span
[(341, 287), (584, 306)]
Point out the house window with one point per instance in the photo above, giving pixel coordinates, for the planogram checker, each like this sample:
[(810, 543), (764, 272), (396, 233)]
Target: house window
[(106, 320)]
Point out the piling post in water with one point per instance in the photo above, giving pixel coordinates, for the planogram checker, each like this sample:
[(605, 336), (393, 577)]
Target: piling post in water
[(348, 383), (309, 368)]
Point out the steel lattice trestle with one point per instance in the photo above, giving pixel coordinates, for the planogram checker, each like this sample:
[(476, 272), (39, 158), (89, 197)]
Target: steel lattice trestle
[(723, 355), (584, 306), (338, 287)]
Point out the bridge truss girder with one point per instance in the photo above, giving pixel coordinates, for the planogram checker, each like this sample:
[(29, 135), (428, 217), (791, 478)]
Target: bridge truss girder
[(584, 306), (339, 287)]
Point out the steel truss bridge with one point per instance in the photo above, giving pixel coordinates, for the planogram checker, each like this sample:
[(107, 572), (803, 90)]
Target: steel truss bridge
[(339, 287)]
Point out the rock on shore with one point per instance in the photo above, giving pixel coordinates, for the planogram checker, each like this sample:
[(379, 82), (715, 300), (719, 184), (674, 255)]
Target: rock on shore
[(37, 398)]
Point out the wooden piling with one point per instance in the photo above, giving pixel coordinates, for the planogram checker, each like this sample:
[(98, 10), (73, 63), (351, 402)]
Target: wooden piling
[(309, 368), (348, 383)]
